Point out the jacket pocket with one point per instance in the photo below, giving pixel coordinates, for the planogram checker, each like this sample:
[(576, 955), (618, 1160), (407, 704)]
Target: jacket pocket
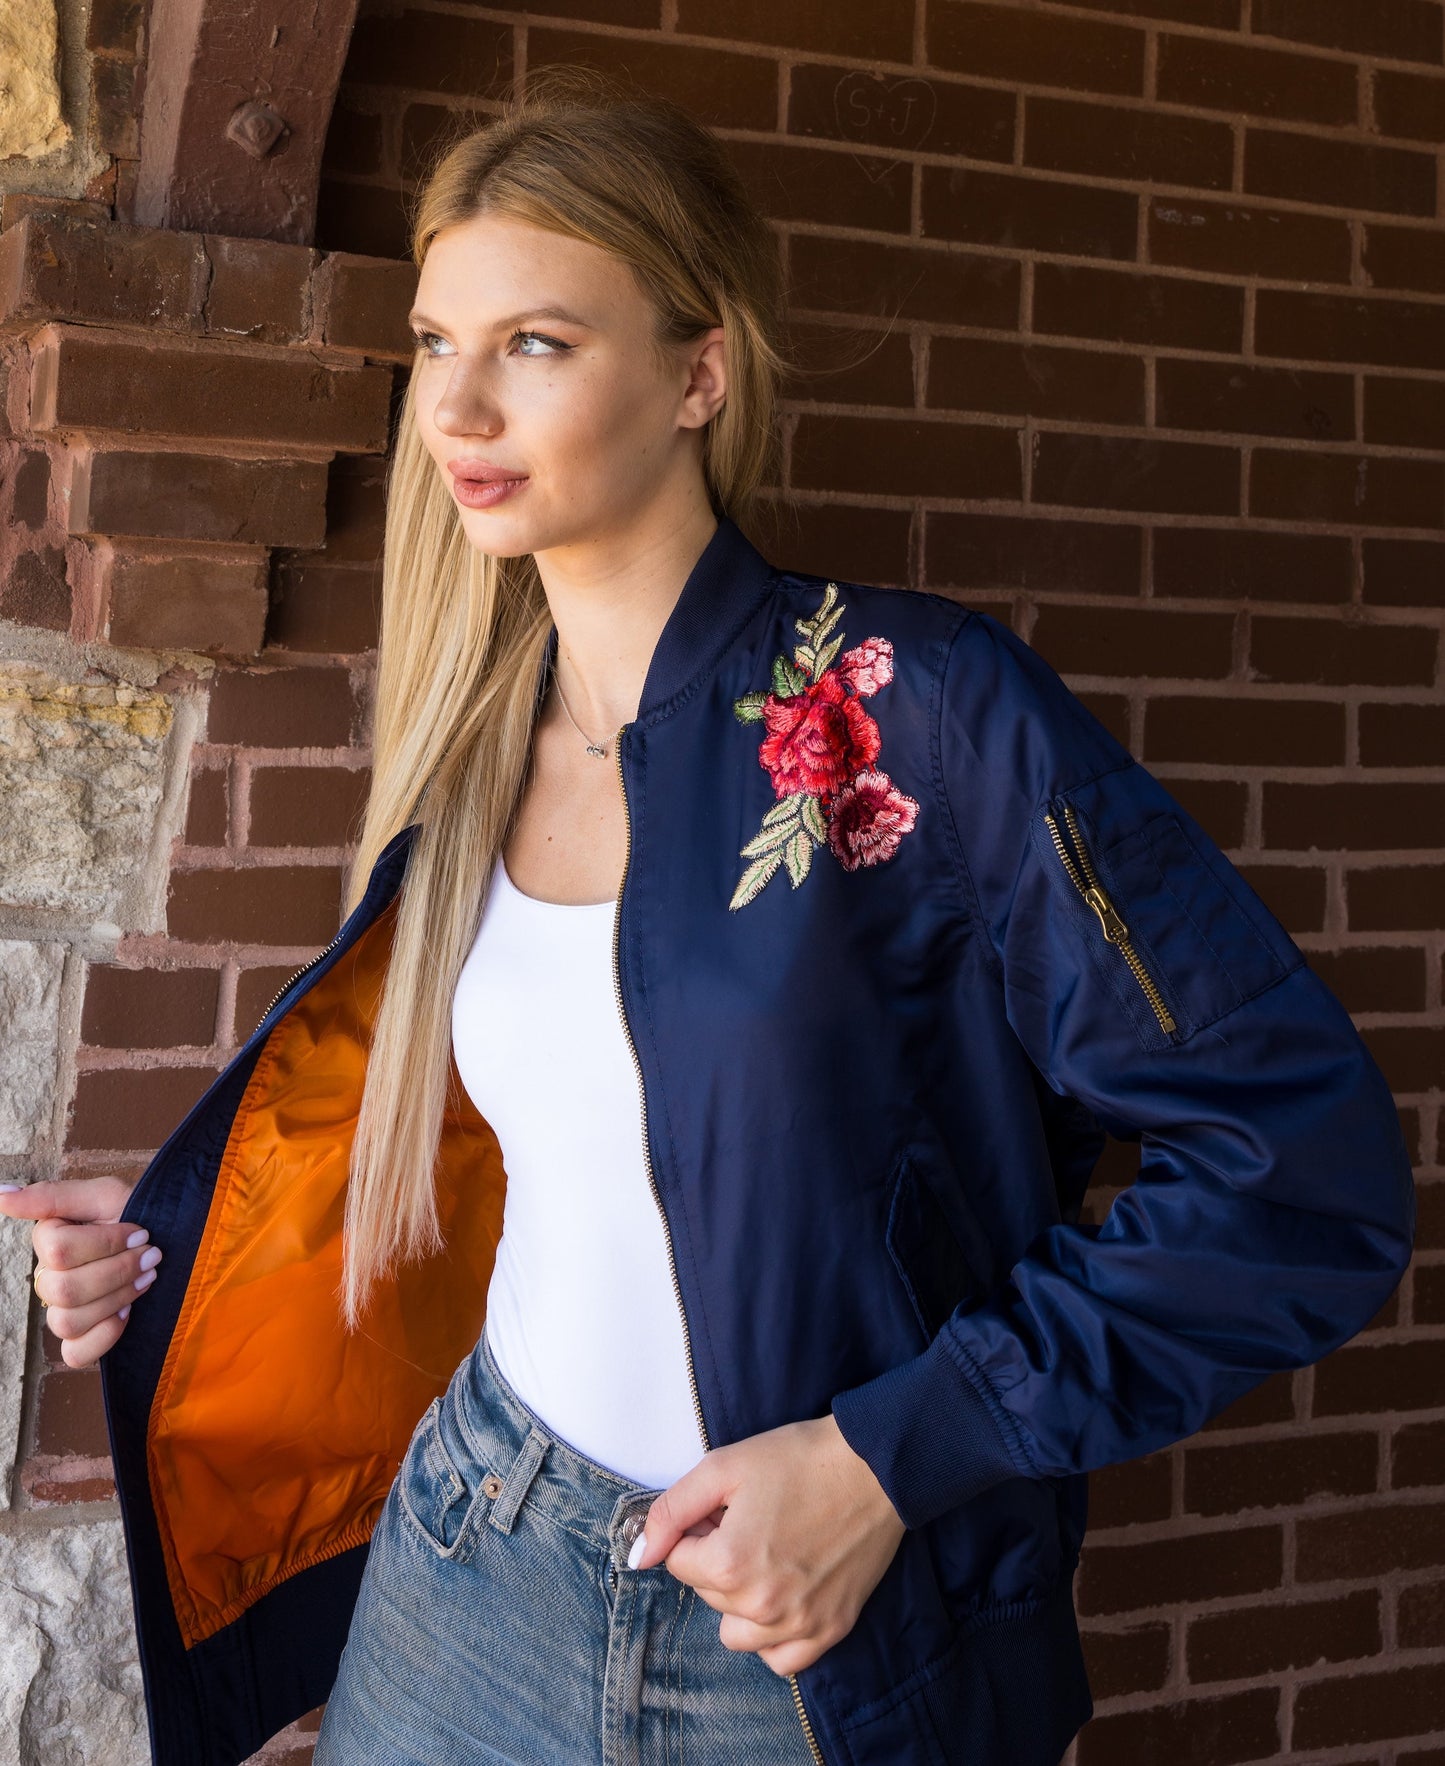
[(433, 1494), (934, 1242), (1179, 934)]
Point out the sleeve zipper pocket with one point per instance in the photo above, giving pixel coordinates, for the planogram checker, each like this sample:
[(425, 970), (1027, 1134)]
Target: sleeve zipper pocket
[(1113, 926)]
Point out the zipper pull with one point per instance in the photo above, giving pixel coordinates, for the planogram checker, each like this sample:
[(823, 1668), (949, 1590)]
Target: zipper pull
[(1114, 928)]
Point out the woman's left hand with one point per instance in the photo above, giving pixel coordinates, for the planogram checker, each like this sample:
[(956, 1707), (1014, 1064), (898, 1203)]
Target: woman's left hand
[(785, 1534)]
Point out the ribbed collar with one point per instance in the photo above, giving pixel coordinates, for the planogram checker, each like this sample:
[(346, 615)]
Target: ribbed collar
[(723, 589)]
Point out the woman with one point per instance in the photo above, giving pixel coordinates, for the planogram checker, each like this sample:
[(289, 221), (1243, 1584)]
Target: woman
[(795, 943)]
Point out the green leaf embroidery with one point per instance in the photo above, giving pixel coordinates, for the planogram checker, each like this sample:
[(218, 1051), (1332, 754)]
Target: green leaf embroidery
[(749, 709)]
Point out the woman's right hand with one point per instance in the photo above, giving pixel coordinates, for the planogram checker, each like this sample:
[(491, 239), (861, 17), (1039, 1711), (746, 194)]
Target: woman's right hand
[(92, 1263)]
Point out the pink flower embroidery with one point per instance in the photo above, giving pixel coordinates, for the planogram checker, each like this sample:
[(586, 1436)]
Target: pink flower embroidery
[(819, 752)]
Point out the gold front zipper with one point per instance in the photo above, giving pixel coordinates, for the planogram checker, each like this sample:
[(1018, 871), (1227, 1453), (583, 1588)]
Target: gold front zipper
[(656, 1193), (1115, 930), (300, 972)]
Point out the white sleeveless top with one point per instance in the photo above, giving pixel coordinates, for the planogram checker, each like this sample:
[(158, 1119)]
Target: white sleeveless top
[(581, 1317)]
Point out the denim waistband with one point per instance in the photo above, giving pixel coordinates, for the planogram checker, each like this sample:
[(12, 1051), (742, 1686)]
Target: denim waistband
[(530, 1464)]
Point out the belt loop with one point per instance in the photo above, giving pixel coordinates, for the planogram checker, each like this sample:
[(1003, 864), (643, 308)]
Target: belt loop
[(517, 1479)]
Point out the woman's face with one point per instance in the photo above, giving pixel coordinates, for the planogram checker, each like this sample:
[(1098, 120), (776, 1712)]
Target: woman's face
[(537, 359)]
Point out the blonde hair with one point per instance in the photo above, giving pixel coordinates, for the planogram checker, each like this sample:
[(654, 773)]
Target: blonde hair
[(464, 634)]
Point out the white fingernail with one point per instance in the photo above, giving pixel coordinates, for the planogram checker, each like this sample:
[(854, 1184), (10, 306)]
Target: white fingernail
[(124, 1311), (7, 1187), (149, 1259), (639, 1545), (144, 1281), (138, 1238)]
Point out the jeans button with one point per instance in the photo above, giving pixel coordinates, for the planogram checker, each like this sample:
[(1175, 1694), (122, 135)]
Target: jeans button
[(630, 1528), (492, 1484)]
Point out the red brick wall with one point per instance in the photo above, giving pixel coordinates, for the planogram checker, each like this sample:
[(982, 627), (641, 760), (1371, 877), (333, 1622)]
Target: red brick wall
[(1160, 289)]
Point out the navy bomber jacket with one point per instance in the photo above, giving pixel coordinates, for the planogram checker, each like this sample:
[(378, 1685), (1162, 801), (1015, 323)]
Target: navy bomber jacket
[(903, 931)]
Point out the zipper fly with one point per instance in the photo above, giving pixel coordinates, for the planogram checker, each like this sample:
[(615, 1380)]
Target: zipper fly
[(1114, 928), (652, 1180)]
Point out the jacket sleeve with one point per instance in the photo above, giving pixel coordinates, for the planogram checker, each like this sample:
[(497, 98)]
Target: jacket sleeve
[(1274, 1208)]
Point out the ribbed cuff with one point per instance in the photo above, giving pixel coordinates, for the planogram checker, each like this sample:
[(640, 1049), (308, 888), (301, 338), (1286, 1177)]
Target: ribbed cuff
[(926, 1433)]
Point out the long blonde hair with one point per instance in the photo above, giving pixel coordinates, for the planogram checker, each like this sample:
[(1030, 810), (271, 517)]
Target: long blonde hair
[(464, 634)]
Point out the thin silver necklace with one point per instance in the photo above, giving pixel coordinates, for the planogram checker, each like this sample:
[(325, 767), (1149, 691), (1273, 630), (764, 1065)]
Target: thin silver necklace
[(599, 749)]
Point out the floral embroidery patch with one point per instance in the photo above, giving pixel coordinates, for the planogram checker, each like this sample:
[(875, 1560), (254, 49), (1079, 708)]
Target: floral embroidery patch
[(819, 752)]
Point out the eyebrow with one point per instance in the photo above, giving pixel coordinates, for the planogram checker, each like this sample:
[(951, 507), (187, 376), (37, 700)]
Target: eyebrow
[(553, 312)]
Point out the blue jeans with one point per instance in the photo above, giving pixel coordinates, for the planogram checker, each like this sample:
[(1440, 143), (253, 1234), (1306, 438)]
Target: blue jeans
[(498, 1624)]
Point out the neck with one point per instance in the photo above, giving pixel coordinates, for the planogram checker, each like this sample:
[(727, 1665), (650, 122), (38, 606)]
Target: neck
[(609, 598)]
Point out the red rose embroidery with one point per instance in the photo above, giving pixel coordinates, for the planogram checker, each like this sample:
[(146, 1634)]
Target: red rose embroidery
[(819, 752)]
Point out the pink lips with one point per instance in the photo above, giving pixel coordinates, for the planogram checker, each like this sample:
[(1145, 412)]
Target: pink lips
[(480, 471)]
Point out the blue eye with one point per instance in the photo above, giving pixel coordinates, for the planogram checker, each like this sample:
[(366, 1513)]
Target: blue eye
[(555, 346)]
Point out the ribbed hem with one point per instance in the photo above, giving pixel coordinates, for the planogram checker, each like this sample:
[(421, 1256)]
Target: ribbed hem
[(926, 1433)]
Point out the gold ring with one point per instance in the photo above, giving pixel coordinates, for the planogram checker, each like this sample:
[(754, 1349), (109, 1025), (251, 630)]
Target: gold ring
[(36, 1281)]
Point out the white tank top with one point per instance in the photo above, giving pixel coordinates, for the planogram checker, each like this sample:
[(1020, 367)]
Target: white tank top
[(581, 1316)]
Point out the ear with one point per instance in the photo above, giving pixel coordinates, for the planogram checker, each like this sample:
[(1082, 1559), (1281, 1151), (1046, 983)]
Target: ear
[(707, 387)]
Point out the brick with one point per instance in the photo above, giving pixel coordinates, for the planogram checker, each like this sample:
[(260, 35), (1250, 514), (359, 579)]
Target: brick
[(1380, 816), (1409, 104), (1190, 1732), (306, 806), (721, 86), (789, 181), (259, 288), (355, 510), (361, 303), (278, 400), (1218, 805), (849, 365), (321, 609), (1028, 213), (114, 24), (1377, 490), (1407, 30), (1420, 1621), (1272, 1401), (858, 544), (1145, 146), (440, 52), (364, 216), (1294, 894), (1363, 1379), (1395, 898), (354, 139), (1374, 979), (205, 602), (260, 904), (1370, 1541), (1402, 735), (1249, 1641), (98, 272), (1034, 48), (46, 1492), (1237, 563), (1410, 258), (882, 110), (1135, 472), (1243, 239), (883, 30), (1245, 732), (1131, 1491), (1119, 1662), (1222, 1480), (1245, 79), (1417, 1454), (1078, 300), (1191, 1567), (1369, 1707), (1084, 386), (207, 814), (1404, 573), (71, 1416), (1412, 1057), (132, 1109), (1223, 14), (148, 1008), (283, 708), (255, 990), (30, 488), (884, 280), (1431, 1200), (1235, 397), (1032, 552), (1405, 413), (1429, 1308), (906, 458), (1331, 652), (34, 590), (1338, 174), (1133, 641), (198, 497), (114, 106), (1338, 328)]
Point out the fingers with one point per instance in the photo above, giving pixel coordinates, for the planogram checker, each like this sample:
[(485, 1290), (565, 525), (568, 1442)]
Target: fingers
[(66, 1244), (85, 1350), (77, 1299), (68, 1198)]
